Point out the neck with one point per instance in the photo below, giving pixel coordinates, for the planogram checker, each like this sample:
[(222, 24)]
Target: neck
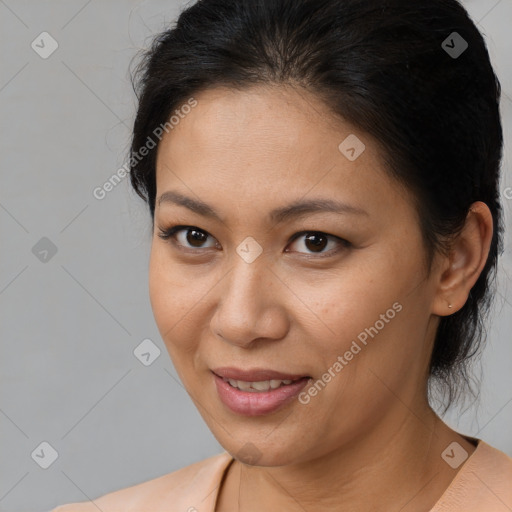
[(395, 466)]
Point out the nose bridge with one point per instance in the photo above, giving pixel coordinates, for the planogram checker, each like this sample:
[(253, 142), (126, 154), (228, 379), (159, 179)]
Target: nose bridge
[(247, 281), (249, 304)]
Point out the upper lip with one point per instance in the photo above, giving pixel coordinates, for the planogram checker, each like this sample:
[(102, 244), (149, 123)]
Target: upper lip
[(255, 375)]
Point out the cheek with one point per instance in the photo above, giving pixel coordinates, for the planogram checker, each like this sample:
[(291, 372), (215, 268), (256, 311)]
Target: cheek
[(161, 287), (365, 315), (347, 303), (383, 358), (174, 297)]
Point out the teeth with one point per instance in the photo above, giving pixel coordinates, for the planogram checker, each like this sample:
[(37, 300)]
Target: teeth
[(255, 387), (261, 386), (244, 386), (274, 384)]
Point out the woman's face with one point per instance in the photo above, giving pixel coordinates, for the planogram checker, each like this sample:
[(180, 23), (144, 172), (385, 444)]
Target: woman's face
[(251, 285)]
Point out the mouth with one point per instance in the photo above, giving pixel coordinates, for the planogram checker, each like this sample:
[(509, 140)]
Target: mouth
[(257, 392), (261, 385)]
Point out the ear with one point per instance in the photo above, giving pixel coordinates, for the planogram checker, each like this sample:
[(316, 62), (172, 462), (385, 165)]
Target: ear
[(466, 260)]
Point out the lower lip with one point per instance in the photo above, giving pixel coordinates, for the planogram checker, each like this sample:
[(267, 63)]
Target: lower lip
[(257, 403)]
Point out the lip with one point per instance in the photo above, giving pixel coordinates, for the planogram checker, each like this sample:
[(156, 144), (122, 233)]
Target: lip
[(248, 403), (254, 375)]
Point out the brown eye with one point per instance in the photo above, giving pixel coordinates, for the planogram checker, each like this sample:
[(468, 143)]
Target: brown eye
[(195, 237), (315, 242), (188, 237)]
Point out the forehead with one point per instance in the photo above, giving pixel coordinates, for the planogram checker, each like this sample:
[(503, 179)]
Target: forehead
[(286, 120), (262, 145)]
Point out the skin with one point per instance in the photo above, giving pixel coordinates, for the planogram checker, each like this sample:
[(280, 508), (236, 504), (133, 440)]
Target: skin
[(369, 440)]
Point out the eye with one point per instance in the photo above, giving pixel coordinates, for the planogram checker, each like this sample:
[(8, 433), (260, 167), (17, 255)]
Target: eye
[(189, 237), (317, 241)]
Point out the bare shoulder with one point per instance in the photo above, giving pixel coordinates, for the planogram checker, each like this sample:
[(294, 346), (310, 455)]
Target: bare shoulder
[(182, 488)]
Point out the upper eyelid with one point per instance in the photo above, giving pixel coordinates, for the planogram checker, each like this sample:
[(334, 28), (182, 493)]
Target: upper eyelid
[(181, 227), (174, 230)]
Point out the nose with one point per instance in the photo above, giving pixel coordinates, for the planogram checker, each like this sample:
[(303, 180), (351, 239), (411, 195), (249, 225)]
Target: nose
[(251, 305)]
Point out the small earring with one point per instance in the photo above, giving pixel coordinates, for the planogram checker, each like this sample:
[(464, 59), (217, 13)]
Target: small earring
[(450, 306)]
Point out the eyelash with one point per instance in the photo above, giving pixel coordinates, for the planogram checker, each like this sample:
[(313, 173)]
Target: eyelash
[(169, 234)]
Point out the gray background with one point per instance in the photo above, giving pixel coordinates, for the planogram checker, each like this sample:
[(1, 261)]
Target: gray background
[(69, 325)]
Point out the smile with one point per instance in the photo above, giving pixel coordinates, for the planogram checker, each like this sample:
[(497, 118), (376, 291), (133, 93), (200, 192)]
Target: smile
[(258, 386), (257, 392)]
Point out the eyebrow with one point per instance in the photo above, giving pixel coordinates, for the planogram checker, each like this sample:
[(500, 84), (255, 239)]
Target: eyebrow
[(296, 209)]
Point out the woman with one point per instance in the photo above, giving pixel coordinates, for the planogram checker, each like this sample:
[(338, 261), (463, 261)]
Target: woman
[(326, 226)]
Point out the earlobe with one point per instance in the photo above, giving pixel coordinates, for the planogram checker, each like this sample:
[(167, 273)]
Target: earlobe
[(465, 262)]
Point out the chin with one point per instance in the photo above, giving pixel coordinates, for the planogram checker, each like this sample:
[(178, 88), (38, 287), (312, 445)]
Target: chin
[(261, 449)]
